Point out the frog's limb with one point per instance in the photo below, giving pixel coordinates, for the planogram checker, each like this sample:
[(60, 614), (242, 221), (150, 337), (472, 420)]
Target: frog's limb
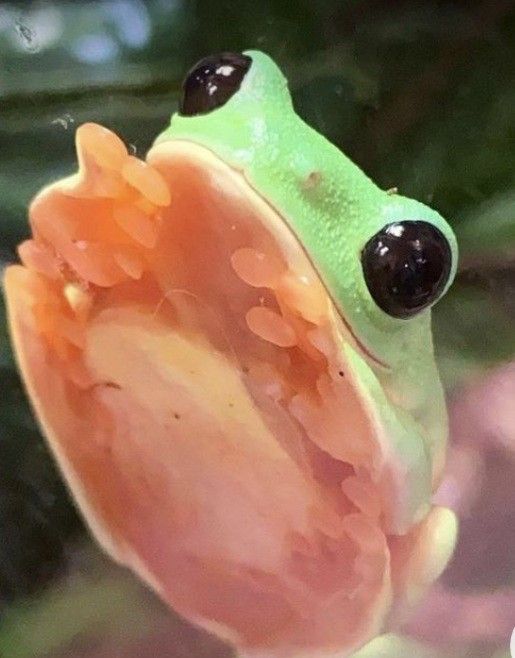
[(420, 557)]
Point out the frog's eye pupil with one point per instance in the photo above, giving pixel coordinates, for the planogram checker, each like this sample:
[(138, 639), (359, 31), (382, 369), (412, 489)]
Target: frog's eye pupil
[(212, 82), (406, 267)]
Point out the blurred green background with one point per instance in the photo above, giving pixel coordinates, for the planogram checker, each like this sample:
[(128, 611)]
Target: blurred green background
[(420, 94)]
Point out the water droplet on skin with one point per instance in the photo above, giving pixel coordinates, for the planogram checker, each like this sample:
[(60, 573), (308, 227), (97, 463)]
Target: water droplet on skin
[(147, 180)]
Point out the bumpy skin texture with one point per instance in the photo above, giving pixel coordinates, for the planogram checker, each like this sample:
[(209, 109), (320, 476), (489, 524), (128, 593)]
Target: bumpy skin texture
[(237, 420)]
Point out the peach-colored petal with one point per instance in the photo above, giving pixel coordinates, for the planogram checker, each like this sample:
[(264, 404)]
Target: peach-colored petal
[(106, 148), (363, 494), (257, 268), (270, 326), (306, 295), (135, 223), (38, 257), (147, 180), (130, 262)]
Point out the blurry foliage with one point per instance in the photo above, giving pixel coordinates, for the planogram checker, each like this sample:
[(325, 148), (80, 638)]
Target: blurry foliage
[(106, 603), (420, 94), (106, 613)]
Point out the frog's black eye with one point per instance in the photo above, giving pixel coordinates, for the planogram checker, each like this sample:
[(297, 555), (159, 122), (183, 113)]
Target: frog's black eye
[(406, 267), (212, 82)]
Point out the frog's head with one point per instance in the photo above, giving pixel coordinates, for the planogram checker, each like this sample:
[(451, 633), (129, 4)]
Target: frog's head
[(385, 259)]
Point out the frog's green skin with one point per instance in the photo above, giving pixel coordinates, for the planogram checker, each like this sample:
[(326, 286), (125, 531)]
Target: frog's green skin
[(258, 133)]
